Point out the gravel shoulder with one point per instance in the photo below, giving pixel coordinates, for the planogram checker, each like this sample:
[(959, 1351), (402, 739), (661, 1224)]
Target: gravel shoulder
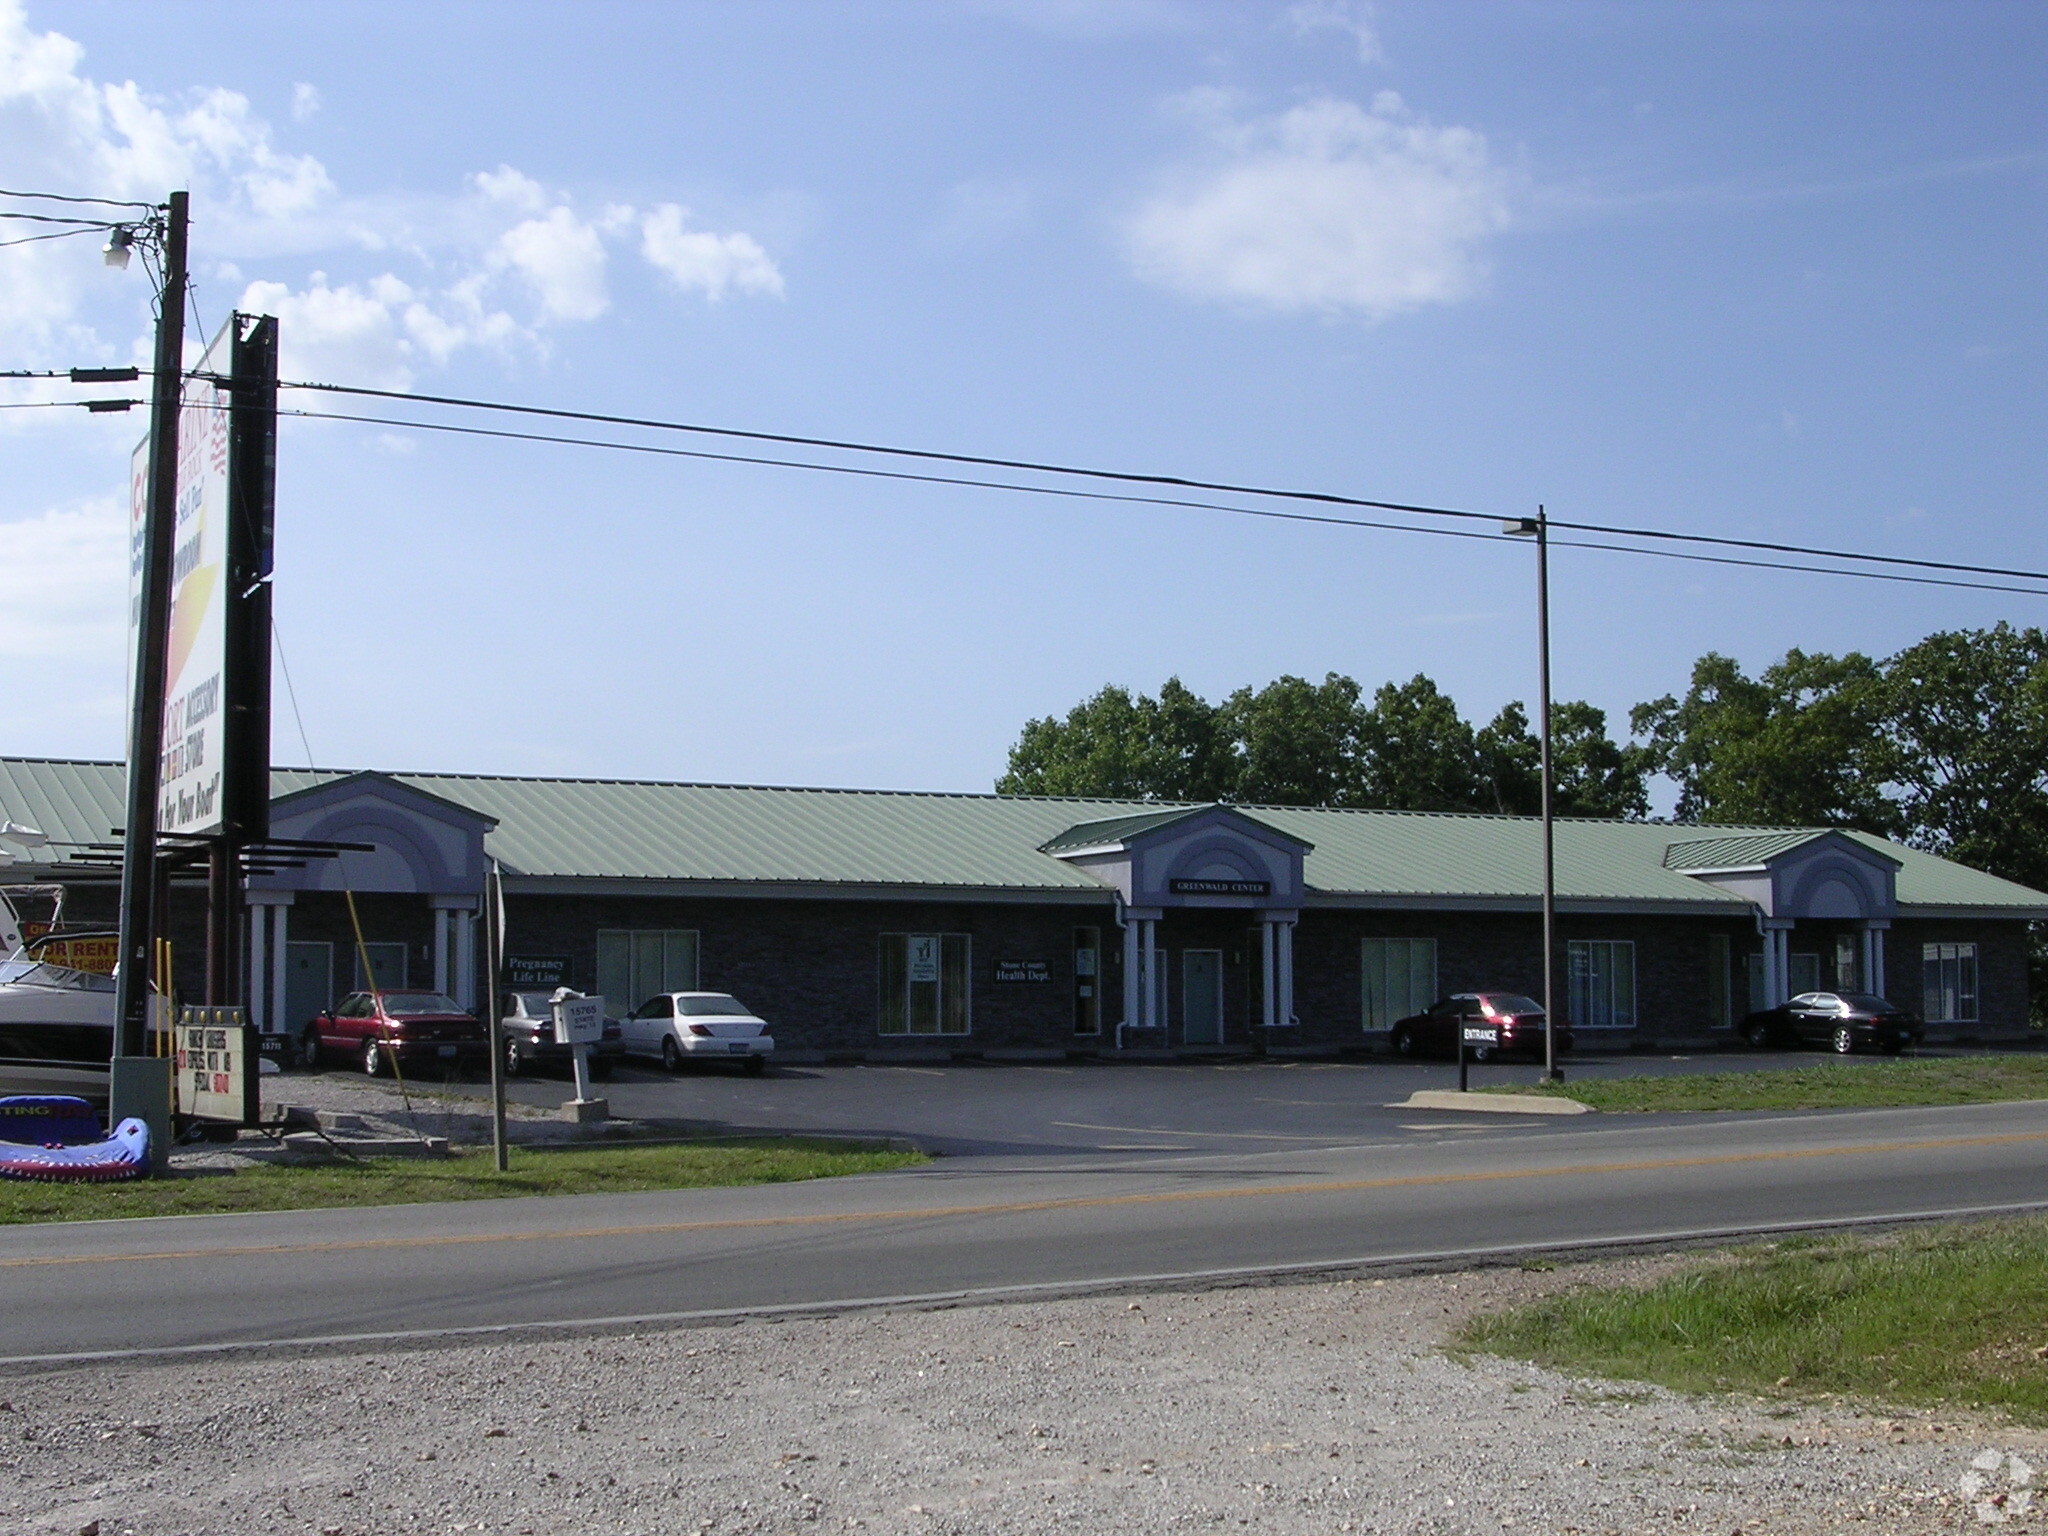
[(1310, 1409)]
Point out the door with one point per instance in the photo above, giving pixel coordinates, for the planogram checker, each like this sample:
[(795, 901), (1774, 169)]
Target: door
[(308, 983), (1201, 999)]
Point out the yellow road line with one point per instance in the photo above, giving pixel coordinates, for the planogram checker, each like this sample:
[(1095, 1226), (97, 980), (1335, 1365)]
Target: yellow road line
[(1160, 1130), (1028, 1207)]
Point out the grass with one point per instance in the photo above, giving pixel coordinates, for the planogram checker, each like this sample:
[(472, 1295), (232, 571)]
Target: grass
[(1827, 1085), (464, 1176), (1948, 1316)]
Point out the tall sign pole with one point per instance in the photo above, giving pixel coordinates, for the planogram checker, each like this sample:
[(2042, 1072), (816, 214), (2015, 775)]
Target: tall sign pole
[(1538, 528), (140, 919)]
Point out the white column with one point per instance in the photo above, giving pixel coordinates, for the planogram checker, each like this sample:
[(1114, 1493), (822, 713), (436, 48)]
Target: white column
[(1133, 973), (465, 962), (259, 974), (1877, 961), (1867, 961), (280, 929), (1268, 1003), (1151, 946), (441, 950), (1285, 1011), (1781, 965)]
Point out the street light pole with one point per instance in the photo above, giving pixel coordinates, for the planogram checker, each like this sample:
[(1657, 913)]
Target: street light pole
[(1538, 527), (140, 919)]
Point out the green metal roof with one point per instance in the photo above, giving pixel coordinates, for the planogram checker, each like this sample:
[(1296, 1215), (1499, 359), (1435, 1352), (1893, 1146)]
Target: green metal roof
[(586, 829), (1107, 833), (1752, 851)]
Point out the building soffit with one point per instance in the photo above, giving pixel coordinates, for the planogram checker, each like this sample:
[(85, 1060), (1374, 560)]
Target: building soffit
[(423, 843), (1791, 875), (1212, 856)]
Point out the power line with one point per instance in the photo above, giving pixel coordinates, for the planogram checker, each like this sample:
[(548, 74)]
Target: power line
[(1134, 477), (98, 202), (1324, 518), (62, 234)]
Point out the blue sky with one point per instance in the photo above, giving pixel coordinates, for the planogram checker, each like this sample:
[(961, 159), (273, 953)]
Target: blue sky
[(1771, 270)]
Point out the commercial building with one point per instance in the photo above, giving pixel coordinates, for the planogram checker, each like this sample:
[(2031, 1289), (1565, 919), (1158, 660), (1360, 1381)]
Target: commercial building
[(893, 925)]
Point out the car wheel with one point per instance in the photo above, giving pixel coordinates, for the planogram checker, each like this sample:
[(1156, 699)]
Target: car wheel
[(1844, 1040), (1758, 1035), (514, 1062), (1481, 1052), (671, 1054), (373, 1059), (1403, 1043), (309, 1049), (756, 1065)]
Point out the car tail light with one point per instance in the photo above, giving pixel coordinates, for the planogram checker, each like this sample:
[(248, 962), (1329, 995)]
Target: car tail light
[(701, 1031)]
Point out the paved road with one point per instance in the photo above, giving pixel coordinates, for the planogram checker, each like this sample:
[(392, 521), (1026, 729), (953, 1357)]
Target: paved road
[(1088, 1109), (970, 1225)]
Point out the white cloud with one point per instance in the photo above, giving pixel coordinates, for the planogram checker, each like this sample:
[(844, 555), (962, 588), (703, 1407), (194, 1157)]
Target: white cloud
[(563, 259), (1326, 207), (1339, 16), (305, 101), (513, 188), (62, 589), (375, 332), (699, 260)]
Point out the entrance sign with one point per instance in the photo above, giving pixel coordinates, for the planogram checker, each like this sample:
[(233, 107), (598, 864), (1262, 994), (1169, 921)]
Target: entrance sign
[(215, 1073), (924, 957), (1481, 1034), (579, 1021), (1023, 970)]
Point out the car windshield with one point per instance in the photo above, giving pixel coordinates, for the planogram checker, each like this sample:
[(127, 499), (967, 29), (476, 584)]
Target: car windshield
[(711, 1005), (40, 973), (1511, 1002), (400, 1005), (1868, 1002)]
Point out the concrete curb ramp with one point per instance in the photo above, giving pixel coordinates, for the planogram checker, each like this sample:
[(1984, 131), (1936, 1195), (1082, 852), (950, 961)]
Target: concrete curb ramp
[(1493, 1103)]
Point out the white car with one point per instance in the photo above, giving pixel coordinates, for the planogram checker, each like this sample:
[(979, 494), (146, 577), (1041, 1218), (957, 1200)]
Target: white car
[(690, 1026)]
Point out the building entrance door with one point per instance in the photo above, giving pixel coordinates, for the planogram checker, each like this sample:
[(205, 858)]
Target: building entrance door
[(308, 983), (1201, 1020)]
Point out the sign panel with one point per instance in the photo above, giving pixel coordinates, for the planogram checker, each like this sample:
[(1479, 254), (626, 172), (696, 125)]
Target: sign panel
[(532, 973), (1481, 1034), (97, 953), (579, 1021), (924, 957), (215, 1071), (193, 747), (1221, 887), (1023, 970)]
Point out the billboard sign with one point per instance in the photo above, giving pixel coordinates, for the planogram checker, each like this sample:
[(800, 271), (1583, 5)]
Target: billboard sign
[(193, 746), (215, 1071)]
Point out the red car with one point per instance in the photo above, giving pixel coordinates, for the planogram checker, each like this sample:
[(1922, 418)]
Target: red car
[(419, 1030), (1517, 1023)]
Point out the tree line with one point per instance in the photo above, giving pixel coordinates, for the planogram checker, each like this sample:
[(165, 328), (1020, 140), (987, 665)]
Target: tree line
[(1943, 746)]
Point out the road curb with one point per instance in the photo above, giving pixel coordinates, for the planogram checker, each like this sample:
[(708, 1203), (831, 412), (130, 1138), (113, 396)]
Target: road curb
[(1492, 1103)]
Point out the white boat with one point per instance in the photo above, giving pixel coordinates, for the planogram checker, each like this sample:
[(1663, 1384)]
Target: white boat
[(56, 1023)]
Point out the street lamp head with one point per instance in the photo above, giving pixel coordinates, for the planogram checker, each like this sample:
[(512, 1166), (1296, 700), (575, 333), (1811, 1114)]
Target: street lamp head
[(1521, 528), (119, 247), (28, 837)]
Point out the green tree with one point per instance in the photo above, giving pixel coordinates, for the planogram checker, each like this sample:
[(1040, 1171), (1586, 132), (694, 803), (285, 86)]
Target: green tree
[(1965, 716), (1591, 775), (1296, 742), (1800, 744), (1115, 746), (1418, 752)]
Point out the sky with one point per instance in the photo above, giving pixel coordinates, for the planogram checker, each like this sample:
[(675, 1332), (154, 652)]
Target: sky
[(1765, 270)]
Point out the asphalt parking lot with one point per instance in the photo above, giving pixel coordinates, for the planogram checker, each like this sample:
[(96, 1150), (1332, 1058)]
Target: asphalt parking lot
[(1093, 1108)]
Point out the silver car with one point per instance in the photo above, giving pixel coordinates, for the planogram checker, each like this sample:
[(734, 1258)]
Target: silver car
[(676, 1027)]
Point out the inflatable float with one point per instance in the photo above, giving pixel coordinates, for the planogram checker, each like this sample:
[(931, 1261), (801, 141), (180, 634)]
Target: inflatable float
[(58, 1139)]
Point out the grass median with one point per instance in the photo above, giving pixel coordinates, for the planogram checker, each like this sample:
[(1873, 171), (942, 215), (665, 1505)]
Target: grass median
[(1829, 1084), (467, 1175), (1948, 1316)]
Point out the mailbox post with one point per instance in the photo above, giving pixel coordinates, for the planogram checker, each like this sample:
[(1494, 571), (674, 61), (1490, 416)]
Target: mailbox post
[(579, 1024)]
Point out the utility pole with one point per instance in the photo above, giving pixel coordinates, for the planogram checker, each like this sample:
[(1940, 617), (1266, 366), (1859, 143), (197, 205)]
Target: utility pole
[(133, 1092), (1538, 527)]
